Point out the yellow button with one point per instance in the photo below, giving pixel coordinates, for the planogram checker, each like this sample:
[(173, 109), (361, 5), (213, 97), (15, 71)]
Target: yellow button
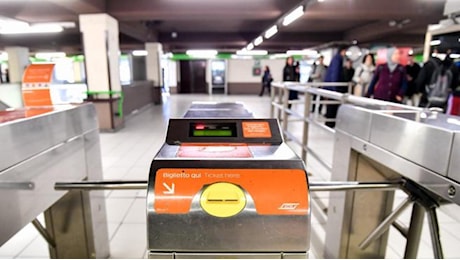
[(223, 199)]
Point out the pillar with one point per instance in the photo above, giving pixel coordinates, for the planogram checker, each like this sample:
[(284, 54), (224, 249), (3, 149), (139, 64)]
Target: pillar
[(18, 60), (101, 49), (153, 61), (153, 68)]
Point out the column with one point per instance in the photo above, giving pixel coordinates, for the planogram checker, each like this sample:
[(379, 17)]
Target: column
[(18, 59), (153, 67), (154, 53), (101, 49)]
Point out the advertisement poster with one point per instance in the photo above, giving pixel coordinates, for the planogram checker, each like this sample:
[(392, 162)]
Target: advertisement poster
[(36, 83)]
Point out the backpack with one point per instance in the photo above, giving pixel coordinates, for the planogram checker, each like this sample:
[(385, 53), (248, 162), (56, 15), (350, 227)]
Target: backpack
[(438, 88)]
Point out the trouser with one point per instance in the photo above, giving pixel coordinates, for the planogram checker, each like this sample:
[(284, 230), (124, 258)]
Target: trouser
[(263, 90), (331, 113), (292, 96)]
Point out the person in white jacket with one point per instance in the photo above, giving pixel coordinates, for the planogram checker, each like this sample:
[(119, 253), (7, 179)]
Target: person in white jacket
[(363, 75)]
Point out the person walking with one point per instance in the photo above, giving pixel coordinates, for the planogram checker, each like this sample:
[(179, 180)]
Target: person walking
[(424, 77), (266, 81), (318, 75), (334, 73), (348, 71), (291, 75), (412, 71), (363, 75)]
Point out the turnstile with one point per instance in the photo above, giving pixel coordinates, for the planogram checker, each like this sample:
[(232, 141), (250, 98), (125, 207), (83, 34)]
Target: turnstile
[(201, 109), (41, 146), (381, 143), (227, 188)]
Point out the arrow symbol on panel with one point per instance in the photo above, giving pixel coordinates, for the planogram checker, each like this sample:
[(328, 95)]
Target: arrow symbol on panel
[(169, 189)]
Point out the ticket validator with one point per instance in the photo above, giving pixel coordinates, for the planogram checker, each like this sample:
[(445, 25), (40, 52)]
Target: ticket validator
[(227, 188)]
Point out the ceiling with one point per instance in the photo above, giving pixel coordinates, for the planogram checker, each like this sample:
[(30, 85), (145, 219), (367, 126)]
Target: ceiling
[(230, 25)]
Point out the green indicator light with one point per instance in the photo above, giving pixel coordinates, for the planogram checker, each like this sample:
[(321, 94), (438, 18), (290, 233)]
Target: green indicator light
[(212, 133)]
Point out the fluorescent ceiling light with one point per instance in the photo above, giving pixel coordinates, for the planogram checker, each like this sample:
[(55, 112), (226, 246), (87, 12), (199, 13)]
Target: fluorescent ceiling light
[(49, 55), (454, 55), (306, 52), (435, 42), (202, 53), (294, 15), (252, 52), (279, 56), (272, 31), (24, 28), (258, 41), (250, 47), (140, 53), (242, 57)]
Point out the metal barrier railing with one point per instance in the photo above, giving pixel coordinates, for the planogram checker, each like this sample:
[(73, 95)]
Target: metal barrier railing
[(280, 108)]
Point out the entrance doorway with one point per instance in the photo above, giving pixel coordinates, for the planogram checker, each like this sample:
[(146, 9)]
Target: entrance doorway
[(193, 77)]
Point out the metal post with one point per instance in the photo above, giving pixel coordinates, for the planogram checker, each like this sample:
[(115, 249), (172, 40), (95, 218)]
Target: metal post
[(285, 108), (280, 101), (306, 115), (41, 229), (272, 100), (317, 106), (415, 230), (386, 223), (434, 232)]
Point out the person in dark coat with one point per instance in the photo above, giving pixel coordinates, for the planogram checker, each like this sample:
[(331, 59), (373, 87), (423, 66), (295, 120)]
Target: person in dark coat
[(290, 74), (266, 81), (348, 71), (424, 77), (412, 71), (334, 73), (389, 82)]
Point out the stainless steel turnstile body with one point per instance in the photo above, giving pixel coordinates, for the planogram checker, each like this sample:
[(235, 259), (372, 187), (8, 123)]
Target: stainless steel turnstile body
[(384, 143), (201, 109), (227, 188), (41, 146)]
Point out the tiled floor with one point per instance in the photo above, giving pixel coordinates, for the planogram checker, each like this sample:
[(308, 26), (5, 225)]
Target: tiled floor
[(127, 155)]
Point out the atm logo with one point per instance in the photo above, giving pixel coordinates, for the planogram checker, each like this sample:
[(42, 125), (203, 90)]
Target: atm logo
[(288, 206)]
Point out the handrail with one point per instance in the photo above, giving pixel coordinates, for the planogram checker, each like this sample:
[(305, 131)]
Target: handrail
[(280, 105), (110, 93)]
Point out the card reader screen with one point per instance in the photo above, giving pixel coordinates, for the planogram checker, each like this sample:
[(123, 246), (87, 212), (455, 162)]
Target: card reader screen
[(213, 130)]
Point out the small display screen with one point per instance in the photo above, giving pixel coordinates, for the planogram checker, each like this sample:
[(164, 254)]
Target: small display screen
[(207, 132), (213, 130)]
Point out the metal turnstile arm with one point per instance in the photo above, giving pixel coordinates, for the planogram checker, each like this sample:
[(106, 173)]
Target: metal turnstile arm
[(102, 185), (313, 186)]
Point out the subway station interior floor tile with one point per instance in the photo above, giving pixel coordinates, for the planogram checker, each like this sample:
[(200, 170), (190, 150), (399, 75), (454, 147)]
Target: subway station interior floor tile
[(127, 154)]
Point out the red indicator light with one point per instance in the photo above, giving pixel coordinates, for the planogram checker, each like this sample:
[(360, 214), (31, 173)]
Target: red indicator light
[(199, 127)]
